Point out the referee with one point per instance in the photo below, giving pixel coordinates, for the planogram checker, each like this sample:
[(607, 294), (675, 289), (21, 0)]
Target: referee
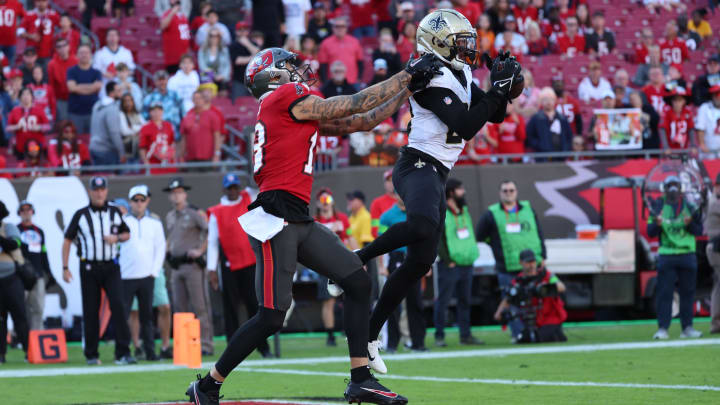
[(96, 230)]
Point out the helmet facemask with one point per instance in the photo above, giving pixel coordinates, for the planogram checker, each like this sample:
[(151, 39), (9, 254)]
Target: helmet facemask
[(465, 50), (296, 71)]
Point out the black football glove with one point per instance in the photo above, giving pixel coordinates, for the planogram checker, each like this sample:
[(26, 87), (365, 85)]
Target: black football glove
[(425, 68), (503, 74), (503, 55)]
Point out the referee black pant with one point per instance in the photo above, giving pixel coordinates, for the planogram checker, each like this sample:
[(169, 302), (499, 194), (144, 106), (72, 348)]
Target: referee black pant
[(94, 277), (238, 287), (12, 300), (142, 288)]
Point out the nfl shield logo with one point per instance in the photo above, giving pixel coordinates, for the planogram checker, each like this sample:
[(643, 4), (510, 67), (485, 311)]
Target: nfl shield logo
[(447, 100)]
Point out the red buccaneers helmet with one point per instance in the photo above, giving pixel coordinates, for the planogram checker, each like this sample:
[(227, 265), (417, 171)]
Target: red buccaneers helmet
[(273, 67)]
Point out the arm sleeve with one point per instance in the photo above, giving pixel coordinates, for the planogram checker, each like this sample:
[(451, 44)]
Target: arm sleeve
[(159, 245), (122, 226), (212, 248), (455, 114), (72, 229), (478, 94)]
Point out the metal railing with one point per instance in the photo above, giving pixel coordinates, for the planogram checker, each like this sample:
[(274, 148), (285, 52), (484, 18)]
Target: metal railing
[(133, 168)]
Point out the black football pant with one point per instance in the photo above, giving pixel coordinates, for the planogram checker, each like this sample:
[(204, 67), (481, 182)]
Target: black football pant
[(95, 277), (142, 288), (12, 301), (238, 287), (419, 180), (413, 306)]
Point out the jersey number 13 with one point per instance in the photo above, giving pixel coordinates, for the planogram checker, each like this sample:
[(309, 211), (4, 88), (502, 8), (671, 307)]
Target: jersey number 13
[(259, 150)]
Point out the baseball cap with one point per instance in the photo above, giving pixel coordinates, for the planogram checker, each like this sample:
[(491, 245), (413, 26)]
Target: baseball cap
[(387, 174), (341, 20), (161, 74), (355, 194), (231, 179), (97, 182), (155, 105), (527, 255), (24, 203), (714, 89), (176, 182), (121, 202), (242, 25), (510, 18), (319, 4), (13, 73), (380, 63), (140, 189), (30, 51), (715, 58), (406, 6)]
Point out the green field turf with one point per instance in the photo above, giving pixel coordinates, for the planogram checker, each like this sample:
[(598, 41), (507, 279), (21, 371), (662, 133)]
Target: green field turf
[(461, 379)]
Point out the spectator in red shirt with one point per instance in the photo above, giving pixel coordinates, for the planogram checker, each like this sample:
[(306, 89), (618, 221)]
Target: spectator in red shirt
[(673, 49), (405, 14), (383, 203), (68, 33), (567, 105), (564, 8), (677, 119), (536, 42), (27, 121), (43, 94), (382, 12), (175, 36), (157, 140), (471, 10), (67, 151), (478, 149), (200, 132), (33, 160), (552, 24), (199, 20), (655, 90), (57, 76), (510, 134), (10, 10), (572, 41), (406, 42), (209, 91), (361, 18), (39, 25), (647, 39), (524, 14), (3, 165), (342, 47)]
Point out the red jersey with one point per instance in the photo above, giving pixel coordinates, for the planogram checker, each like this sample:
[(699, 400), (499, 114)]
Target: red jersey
[(481, 148), (471, 11), (677, 127), (338, 223), (673, 51), (568, 106), (67, 158), (524, 16), (510, 134), (233, 239), (73, 38), (44, 25), (377, 208), (31, 122), (361, 13), (44, 97), (641, 54), (284, 148), (10, 11), (158, 143), (31, 168), (175, 38), (570, 46), (548, 28), (654, 95), (57, 75), (196, 23)]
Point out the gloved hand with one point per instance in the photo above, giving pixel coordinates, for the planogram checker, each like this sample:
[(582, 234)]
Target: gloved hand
[(502, 55), (422, 69), (505, 70)]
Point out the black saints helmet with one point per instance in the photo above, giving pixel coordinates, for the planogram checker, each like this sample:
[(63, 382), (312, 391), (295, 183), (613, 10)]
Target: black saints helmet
[(273, 67)]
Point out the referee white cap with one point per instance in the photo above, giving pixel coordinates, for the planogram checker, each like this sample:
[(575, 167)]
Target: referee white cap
[(140, 189)]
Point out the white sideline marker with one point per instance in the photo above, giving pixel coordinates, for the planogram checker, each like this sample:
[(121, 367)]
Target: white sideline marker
[(143, 368)]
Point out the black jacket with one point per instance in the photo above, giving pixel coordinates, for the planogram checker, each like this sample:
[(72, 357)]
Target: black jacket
[(330, 89), (701, 87), (487, 229)]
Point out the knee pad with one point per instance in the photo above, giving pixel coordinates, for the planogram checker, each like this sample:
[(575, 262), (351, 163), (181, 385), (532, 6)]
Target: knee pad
[(270, 319), (421, 227), (357, 284)]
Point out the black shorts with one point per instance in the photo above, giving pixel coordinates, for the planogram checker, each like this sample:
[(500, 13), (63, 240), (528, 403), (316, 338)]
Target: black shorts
[(419, 180), (312, 245)]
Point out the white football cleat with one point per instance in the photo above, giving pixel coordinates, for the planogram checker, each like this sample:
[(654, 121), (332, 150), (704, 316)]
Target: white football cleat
[(334, 289), (661, 334), (374, 360), (690, 333)]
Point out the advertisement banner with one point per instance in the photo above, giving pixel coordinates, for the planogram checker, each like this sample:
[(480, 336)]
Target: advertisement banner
[(618, 129)]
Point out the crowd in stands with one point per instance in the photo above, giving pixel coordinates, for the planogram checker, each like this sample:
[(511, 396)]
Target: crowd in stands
[(663, 60)]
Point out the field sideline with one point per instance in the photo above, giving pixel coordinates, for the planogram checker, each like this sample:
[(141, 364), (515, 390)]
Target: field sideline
[(600, 364)]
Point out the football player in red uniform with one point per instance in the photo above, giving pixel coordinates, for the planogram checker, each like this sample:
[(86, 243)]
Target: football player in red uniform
[(677, 118), (288, 123)]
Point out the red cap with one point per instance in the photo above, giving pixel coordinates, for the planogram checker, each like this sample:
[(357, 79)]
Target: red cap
[(241, 24), (714, 89), (13, 73)]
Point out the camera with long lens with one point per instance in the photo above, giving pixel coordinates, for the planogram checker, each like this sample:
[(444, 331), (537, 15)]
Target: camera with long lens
[(525, 299)]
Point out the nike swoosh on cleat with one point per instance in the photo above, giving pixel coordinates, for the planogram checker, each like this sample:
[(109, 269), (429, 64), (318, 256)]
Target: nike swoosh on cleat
[(383, 393)]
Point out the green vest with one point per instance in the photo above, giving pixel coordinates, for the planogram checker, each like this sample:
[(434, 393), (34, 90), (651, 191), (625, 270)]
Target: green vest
[(674, 237), (463, 252), (513, 242)]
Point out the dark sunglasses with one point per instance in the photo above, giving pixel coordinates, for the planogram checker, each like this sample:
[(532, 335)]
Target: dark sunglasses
[(138, 200), (508, 190)]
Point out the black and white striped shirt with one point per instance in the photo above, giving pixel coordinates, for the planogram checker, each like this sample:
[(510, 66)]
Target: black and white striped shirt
[(89, 225)]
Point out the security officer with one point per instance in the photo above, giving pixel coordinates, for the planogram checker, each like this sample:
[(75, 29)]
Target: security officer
[(96, 231), (509, 227), (676, 223), (186, 229), (228, 246)]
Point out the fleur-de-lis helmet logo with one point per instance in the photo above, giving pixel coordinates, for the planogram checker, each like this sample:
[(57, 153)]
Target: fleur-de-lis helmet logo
[(438, 23)]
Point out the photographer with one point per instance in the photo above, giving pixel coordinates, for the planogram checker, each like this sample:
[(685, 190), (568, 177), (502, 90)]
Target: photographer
[(533, 299)]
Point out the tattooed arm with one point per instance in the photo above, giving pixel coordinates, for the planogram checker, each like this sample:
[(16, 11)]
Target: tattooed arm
[(316, 108), (365, 121)]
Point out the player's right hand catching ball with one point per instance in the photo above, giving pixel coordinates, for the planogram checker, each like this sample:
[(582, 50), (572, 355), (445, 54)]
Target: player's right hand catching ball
[(505, 76), (422, 69)]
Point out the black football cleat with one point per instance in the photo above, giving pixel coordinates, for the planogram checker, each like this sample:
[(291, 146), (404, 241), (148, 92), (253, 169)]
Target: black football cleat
[(199, 397), (372, 392)]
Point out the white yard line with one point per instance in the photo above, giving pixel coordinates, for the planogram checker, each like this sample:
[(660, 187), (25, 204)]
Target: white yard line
[(491, 380), (522, 350)]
